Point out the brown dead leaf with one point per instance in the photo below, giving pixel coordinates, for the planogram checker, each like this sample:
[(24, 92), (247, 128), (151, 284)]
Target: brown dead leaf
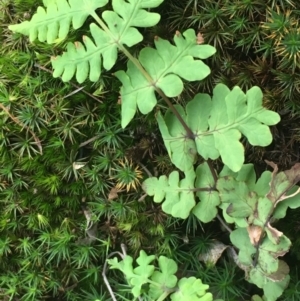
[(113, 194), (213, 254), (281, 273), (282, 182), (255, 233), (273, 234), (293, 174), (78, 165), (200, 39)]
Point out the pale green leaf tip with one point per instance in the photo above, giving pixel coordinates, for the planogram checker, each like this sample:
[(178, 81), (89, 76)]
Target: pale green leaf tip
[(124, 123)]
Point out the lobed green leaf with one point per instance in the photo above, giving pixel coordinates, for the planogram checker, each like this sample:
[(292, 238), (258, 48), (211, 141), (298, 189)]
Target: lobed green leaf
[(142, 272), (269, 253), (245, 174), (240, 238), (166, 65), (191, 289), (219, 122), (178, 194), (135, 276), (238, 202), (206, 210), (125, 266), (272, 289), (164, 279)]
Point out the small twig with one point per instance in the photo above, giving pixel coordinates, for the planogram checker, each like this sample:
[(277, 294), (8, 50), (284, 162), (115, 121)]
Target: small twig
[(212, 170), (234, 256), (223, 223), (189, 132), (255, 260), (104, 274), (146, 169), (209, 189), (72, 84), (122, 255), (88, 141), (124, 250), (142, 197), (73, 92), (290, 195)]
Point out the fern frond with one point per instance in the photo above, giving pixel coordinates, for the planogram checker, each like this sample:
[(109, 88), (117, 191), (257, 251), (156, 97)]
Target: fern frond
[(54, 21), (225, 122), (118, 30)]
